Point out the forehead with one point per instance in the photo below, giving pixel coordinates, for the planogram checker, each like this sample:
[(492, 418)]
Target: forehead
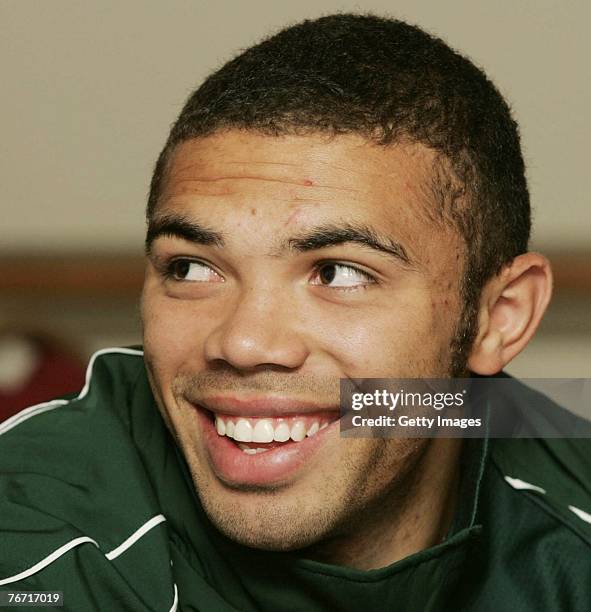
[(308, 179), (342, 163)]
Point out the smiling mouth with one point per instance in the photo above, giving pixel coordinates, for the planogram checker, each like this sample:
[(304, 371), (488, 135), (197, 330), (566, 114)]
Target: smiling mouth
[(260, 434), (263, 442)]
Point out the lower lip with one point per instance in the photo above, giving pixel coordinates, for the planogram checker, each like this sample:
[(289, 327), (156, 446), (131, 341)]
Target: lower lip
[(275, 466)]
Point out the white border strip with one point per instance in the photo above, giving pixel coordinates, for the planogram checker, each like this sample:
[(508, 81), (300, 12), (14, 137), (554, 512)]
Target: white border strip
[(519, 484), (135, 536), (584, 516), (31, 411), (175, 601), (56, 554)]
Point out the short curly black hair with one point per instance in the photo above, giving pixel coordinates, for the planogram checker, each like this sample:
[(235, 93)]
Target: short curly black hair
[(387, 81)]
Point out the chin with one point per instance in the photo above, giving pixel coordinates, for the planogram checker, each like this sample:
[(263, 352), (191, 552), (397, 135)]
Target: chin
[(266, 524)]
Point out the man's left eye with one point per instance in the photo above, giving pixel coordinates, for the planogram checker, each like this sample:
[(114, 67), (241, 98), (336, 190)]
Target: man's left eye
[(193, 271), (336, 275)]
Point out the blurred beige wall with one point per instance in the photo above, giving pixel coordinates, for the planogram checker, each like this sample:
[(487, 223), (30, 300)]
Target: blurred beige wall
[(90, 88)]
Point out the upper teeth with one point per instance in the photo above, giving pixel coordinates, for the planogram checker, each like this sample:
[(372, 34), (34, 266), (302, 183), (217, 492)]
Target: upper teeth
[(265, 430)]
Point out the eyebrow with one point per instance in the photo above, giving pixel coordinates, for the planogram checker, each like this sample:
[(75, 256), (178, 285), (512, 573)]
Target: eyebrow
[(333, 235), (320, 237), (178, 226)]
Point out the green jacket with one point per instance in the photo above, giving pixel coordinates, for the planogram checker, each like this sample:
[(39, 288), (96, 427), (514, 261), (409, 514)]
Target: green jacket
[(96, 501)]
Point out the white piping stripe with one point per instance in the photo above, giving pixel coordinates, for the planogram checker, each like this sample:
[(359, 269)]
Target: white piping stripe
[(130, 541), (48, 560), (175, 600), (135, 536), (584, 516), (517, 483), (124, 351), (27, 413)]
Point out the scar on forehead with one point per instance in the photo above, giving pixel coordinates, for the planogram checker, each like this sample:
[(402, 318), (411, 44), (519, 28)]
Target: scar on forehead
[(292, 217)]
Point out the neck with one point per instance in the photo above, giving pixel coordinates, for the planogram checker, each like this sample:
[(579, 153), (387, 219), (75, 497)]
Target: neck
[(402, 524)]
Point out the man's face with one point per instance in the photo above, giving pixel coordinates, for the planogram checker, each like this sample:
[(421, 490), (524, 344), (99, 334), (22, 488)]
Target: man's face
[(277, 266)]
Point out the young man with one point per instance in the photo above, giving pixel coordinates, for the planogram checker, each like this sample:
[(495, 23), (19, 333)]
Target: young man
[(344, 200)]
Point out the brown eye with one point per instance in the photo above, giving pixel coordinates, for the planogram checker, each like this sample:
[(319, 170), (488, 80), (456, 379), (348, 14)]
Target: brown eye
[(180, 268), (189, 270), (342, 276), (327, 273)]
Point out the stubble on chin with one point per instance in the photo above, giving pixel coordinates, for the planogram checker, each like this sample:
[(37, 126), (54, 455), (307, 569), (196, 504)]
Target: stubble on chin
[(321, 512)]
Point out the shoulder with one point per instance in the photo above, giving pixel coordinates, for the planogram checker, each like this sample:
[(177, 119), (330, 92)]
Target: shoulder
[(109, 376), (551, 464), (534, 509), (535, 513), (552, 476), (75, 500)]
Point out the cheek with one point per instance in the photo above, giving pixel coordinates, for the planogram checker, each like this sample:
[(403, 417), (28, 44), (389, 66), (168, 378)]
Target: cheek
[(172, 332), (388, 339)]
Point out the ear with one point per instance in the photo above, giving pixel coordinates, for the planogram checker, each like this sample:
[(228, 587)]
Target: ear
[(511, 307)]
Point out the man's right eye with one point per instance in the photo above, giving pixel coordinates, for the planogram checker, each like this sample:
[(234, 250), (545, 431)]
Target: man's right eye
[(190, 270)]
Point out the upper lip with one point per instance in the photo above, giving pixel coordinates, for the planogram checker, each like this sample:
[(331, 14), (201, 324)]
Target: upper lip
[(262, 406)]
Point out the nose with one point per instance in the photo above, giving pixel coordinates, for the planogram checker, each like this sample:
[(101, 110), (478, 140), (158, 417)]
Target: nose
[(260, 328)]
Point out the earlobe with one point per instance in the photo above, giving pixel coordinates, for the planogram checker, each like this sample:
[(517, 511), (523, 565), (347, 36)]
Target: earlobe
[(511, 307)]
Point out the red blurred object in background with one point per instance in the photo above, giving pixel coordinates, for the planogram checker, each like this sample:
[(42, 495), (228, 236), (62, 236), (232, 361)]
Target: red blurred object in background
[(34, 369)]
